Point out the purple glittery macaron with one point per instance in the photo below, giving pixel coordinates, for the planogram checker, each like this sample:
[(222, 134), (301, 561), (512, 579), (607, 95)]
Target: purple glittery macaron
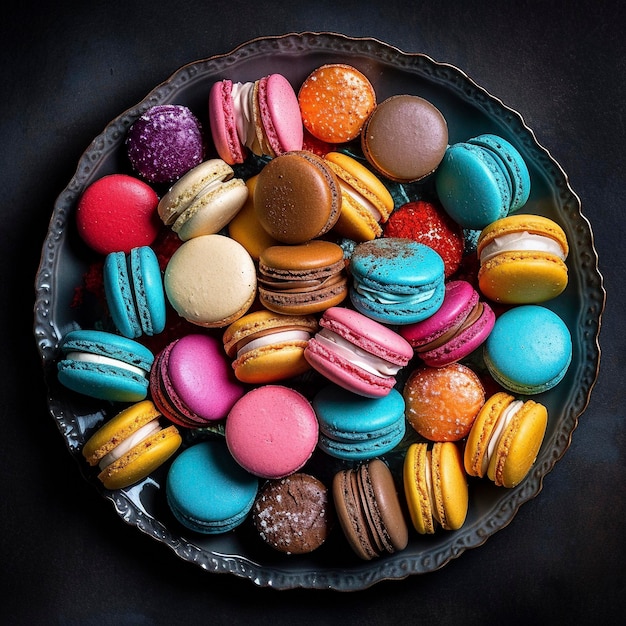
[(165, 143)]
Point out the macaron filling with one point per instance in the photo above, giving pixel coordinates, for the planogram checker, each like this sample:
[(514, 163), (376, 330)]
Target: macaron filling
[(500, 426), (361, 200), (522, 241), (272, 339), (242, 95), (99, 359), (126, 445), (374, 295)]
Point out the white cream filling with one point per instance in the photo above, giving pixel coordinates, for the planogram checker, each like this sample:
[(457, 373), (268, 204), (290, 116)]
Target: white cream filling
[(503, 421), (243, 97), (521, 242), (275, 338), (361, 200), (393, 298), (99, 359), (129, 443)]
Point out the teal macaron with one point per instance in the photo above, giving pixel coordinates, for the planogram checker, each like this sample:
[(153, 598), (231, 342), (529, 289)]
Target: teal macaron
[(355, 428), (529, 349), (104, 365), (133, 286), (207, 491)]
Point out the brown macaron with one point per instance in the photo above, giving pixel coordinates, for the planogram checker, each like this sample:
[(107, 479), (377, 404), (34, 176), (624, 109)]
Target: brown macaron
[(297, 197)]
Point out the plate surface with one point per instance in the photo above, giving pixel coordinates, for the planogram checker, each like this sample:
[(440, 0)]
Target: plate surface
[(469, 111)]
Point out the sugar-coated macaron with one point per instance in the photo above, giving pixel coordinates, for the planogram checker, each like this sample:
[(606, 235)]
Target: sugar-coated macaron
[(505, 439), (131, 445), (272, 431), (133, 286), (356, 428), (435, 486), (210, 280), (529, 349), (204, 200), (365, 201), (267, 347), (192, 383), (118, 212), (481, 180), (369, 511), (164, 142), (297, 197), (104, 365), (427, 223), (335, 101), (207, 491), (357, 353), (460, 326), (395, 280), (405, 138), (302, 279), (522, 259), (442, 402), (295, 514)]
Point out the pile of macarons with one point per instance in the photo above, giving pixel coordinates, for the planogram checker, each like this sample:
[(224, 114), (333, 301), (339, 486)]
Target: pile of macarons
[(277, 325)]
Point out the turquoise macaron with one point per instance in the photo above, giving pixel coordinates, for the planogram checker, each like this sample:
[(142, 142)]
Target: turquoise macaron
[(355, 428), (481, 180), (396, 281), (529, 349), (104, 365), (133, 286), (207, 491)]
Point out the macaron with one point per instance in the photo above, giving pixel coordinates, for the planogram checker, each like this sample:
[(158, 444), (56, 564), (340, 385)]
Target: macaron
[(505, 439), (116, 213), (207, 491), (130, 446), (482, 180), (302, 279), (396, 281), (204, 200), (365, 201), (357, 353), (356, 428), (267, 347), (405, 138), (443, 402), (272, 431), (261, 116), (435, 486), (522, 259), (460, 326), (297, 197), (529, 349), (164, 142), (369, 511), (104, 365), (335, 101), (295, 514), (134, 292), (210, 281), (192, 382)]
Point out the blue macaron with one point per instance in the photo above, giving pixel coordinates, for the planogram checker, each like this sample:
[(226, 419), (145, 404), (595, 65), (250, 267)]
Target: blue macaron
[(104, 365), (529, 349), (207, 490), (353, 427), (133, 286), (396, 281), (482, 180)]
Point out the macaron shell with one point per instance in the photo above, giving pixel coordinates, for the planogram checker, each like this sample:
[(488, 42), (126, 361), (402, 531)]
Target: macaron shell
[(449, 485), (148, 290), (222, 123), (280, 114), (416, 489), (119, 295)]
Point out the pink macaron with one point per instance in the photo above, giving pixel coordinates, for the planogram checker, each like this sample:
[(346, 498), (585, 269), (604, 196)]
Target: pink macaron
[(192, 382), (462, 323), (272, 431), (357, 352)]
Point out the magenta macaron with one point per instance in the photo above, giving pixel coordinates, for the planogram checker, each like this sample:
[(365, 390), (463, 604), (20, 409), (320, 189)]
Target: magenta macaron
[(462, 323), (192, 382), (357, 352), (272, 431)]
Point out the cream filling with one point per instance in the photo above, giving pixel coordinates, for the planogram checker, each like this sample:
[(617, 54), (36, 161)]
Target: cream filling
[(243, 98), (363, 359), (521, 242), (129, 443), (98, 359), (361, 200), (274, 338), (503, 421), (428, 477), (393, 298)]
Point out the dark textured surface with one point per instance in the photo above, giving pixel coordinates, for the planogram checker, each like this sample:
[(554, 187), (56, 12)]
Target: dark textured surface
[(68, 70)]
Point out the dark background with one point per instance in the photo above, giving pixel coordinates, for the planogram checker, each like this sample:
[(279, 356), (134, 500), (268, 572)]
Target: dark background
[(68, 68)]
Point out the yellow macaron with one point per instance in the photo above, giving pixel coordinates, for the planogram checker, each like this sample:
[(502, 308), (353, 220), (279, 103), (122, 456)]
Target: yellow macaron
[(131, 445), (435, 486), (505, 439), (522, 259)]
